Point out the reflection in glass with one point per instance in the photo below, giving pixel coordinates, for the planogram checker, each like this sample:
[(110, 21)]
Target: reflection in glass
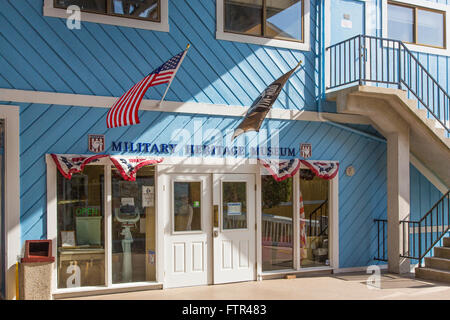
[(277, 226), (234, 209), (146, 9), (314, 225), (140, 8), (430, 28), (244, 16), (80, 242), (85, 5), (400, 23), (284, 19), (187, 206), (133, 227)]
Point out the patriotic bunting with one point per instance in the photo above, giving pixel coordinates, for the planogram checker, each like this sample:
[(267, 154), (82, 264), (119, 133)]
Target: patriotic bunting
[(128, 166), (281, 169), (323, 169), (69, 164)]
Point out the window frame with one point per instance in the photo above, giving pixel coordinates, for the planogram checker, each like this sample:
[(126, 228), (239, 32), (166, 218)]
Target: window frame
[(282, 42), (416, 26), (50, 10), (426, 6)]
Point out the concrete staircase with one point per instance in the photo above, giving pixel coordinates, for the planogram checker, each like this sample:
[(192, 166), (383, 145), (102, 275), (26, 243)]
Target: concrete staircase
[(388, 109), (437, 268)]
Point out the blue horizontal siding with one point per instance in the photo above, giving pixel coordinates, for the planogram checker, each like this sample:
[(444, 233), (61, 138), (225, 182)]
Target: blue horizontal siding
[(41, 53)]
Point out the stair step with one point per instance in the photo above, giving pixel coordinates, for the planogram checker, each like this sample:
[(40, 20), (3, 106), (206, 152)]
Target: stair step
[(437, 263), (442, 252), (446, 242), (433, 274)]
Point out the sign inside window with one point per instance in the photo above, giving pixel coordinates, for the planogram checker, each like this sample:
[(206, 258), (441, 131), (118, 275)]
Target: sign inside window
[(87, 212), (148, 196), (234, 208)]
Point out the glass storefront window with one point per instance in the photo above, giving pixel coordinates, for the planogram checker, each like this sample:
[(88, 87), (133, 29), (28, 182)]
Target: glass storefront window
[(315, 224), (81, 238), (234, 199), (277, 223), (187, 210), (133, 227)]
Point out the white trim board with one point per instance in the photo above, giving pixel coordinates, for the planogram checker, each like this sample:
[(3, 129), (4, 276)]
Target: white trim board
[(12, 197), (50, 11), (303, 46), (424, 4), (69, 99)]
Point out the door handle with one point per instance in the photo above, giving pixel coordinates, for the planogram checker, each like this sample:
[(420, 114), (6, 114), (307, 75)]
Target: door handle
[(216, 233)]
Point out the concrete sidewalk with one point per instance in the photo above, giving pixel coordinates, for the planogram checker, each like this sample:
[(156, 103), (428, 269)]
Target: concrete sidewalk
[(350, 286)]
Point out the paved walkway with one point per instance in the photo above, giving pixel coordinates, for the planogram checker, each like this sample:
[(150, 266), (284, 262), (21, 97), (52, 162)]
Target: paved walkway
[(338, 286)]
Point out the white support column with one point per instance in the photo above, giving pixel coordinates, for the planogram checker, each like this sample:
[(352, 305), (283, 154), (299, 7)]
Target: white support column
[(13, 243), (398, 202)]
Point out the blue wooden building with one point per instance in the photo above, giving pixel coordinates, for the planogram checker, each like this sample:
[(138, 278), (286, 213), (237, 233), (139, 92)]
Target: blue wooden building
[(370, 98)]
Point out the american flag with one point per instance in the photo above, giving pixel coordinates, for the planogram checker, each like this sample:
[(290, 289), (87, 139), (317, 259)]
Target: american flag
[(125, 111)]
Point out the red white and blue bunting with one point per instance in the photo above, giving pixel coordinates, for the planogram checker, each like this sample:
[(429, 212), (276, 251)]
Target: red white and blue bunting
[(69, 164), (323, 169), (128, 166), (283, 169)]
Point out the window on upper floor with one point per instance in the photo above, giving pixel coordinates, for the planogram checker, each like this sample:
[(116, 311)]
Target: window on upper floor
[(279, 23), (416, 25), (142, 14), (282, 19), (135, 9)]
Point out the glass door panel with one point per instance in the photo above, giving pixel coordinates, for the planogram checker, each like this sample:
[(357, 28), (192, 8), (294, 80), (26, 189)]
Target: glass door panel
[(234, 195), (187, 210)]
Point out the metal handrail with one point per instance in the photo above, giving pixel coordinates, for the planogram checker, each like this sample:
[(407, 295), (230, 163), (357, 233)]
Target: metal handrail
[(420, 234), (389, 62), (314, 214), (383, 224)]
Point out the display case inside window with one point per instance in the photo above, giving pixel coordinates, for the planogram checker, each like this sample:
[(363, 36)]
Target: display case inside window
[(133, 227), (80, 214)]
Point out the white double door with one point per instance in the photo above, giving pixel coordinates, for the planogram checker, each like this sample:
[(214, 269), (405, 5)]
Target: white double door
[(209, 229)]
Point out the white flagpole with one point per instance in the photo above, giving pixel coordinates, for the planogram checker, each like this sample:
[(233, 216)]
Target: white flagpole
[(176, 70)]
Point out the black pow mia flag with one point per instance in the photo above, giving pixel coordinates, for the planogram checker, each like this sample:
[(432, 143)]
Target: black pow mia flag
[(261, 106)]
